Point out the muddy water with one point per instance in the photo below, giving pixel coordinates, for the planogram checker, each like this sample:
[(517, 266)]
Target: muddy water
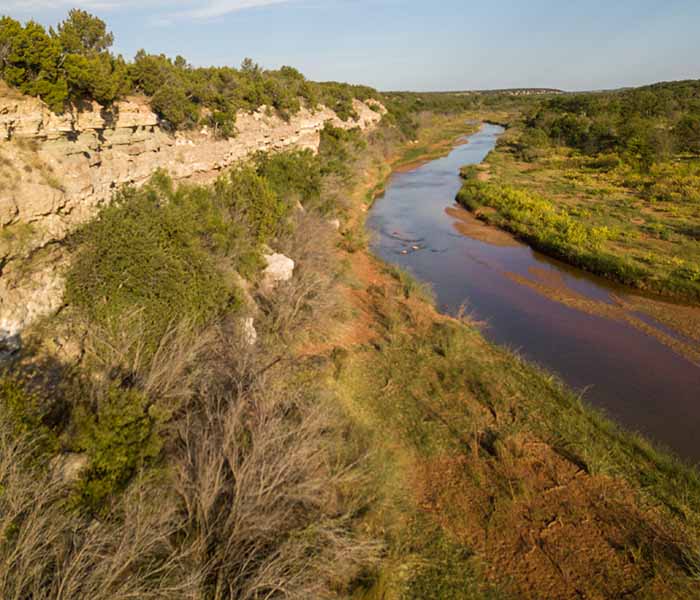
[(593, 334)]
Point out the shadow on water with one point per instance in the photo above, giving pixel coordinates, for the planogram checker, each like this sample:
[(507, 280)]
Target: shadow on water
[(637, 379)]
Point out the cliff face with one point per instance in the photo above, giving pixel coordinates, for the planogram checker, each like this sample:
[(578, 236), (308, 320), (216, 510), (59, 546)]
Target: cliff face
[(57, 170)]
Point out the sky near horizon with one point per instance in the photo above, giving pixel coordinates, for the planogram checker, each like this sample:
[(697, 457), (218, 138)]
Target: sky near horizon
[(412, 44)]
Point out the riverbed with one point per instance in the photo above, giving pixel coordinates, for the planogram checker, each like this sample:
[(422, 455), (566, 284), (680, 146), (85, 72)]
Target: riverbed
[(615, 347)]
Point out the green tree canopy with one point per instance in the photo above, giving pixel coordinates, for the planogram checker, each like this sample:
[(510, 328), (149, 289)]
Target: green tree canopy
[(29, 61), (688, 133), (74, 63), (84, 34)]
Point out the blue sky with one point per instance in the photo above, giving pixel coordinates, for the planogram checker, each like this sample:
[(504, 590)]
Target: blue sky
[(412, 44)]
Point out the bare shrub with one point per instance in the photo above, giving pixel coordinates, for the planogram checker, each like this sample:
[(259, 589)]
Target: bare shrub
[(48, 551), (334, 190), (267, 502), (309, 296), (126, 401), (168, 375)]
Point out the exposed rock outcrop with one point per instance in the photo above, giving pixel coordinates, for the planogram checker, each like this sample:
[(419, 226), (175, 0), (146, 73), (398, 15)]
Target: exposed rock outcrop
[(279, 268), (57, 170), (250, 334)]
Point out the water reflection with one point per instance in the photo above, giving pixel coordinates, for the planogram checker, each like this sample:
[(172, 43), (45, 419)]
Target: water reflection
[(577, 328)]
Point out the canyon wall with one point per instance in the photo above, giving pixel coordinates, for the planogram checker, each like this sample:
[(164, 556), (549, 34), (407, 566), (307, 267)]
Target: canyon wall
[(57, 170)]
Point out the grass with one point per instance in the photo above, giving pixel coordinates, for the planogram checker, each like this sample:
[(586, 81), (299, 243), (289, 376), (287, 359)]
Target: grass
[(529, 491), (489, 448), (635, 227), (409, 285), (436, 137)]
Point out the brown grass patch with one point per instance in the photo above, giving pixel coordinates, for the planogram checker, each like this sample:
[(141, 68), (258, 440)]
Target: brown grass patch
[(547, 529)]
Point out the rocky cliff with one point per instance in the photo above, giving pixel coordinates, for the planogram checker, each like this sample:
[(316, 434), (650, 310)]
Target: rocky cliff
[(57, 170)]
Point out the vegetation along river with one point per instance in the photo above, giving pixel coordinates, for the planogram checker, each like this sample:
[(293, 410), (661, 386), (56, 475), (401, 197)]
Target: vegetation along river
[(627, 354)]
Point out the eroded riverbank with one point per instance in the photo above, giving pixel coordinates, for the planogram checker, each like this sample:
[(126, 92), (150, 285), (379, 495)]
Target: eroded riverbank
[(633, 356)]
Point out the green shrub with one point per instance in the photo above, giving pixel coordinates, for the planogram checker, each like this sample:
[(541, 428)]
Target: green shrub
[(604, 162), (644, 126), (27, 413), (294, 173), (336, 149), (339, 97), (120, 436), (223, 122), (252, 202), (83, 34), (101, 78), (171, 102), (74, 63), (148, 252), (156, 250), (687, 131), (30, 62), (532, 144)]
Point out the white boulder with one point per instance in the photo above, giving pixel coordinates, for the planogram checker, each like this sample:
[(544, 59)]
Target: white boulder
[(279, 268)]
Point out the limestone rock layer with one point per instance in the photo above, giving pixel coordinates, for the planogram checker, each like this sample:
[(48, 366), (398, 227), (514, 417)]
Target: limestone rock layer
[(57, 170)]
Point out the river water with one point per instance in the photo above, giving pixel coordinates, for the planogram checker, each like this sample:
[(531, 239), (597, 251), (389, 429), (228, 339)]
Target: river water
[(624, 369)]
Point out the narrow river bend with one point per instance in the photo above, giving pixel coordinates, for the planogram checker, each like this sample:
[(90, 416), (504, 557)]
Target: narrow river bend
[(581, 327)]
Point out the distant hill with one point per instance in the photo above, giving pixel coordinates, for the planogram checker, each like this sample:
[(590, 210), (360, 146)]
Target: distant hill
[(516, 91), (505, 91)]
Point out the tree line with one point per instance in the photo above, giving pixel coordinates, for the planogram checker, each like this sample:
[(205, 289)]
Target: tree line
[(73, 63), (643, 125)]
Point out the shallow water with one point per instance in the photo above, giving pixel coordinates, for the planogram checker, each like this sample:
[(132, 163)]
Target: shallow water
[(639, 381)]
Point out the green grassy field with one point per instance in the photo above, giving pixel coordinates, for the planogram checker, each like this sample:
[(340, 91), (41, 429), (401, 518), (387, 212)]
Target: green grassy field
[(623, 213)]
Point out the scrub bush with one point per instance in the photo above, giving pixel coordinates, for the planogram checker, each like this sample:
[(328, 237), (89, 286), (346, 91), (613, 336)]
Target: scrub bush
[(148, 251), (120, 437)]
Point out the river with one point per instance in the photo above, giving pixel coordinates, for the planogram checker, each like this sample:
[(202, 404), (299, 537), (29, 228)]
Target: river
[(585, 329)]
